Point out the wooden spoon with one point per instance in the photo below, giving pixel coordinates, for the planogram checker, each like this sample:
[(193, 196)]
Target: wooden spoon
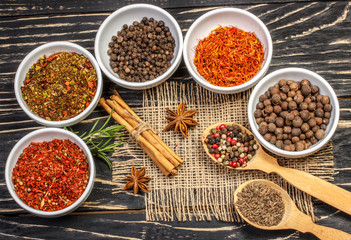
[(316, 187), (293, 218)]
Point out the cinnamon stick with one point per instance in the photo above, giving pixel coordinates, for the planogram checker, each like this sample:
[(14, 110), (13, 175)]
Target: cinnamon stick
[(118, 99), (146, 134), (165, 166)]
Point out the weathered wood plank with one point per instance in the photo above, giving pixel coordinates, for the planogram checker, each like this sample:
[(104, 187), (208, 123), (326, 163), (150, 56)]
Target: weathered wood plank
[(23, 7), (124, 225), (313, 35)]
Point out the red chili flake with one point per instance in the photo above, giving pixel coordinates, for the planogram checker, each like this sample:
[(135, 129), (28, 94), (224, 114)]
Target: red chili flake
[(229, 56), (60, 86), (52, 175)]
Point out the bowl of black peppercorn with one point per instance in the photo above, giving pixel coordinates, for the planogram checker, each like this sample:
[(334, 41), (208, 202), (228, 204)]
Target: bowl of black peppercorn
[(293, 112), (139, 46)]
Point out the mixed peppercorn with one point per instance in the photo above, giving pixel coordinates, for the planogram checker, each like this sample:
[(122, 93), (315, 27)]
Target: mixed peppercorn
[(230, 145)]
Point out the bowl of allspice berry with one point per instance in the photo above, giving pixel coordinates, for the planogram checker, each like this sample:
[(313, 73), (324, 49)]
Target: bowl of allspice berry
[(293, 112), (139, 46)]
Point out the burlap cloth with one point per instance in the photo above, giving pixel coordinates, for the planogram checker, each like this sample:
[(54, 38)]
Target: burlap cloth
[(202, 189)]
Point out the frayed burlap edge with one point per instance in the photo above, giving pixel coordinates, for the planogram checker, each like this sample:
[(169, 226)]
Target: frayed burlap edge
[(202, 189)]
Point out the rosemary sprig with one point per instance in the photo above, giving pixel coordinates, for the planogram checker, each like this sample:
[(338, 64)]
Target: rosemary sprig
[(98, 141)]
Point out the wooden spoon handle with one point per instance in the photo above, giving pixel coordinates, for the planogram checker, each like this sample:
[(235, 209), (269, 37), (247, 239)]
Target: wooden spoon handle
[(328, 233), (302, 222), (316, 187)]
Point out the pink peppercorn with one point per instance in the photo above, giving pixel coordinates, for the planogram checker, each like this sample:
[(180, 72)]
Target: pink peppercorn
[(233, 142)]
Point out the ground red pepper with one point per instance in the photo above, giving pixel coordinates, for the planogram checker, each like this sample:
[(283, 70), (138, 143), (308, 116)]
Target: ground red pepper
[(229, 56), (51, 175), (60, 86)]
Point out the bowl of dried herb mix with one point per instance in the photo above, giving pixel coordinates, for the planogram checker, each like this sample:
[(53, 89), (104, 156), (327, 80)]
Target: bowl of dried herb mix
[(58, 84), (139, 46), (227, 50), (50, 172)]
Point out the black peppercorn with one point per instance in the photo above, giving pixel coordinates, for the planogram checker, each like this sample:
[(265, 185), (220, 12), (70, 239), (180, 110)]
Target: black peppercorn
[(142, 50)]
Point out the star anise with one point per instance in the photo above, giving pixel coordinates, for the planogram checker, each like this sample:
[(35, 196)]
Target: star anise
[(181, 120), (137, 180)]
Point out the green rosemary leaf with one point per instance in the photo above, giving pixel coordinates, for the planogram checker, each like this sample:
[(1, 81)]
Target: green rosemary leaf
[(99, 141)]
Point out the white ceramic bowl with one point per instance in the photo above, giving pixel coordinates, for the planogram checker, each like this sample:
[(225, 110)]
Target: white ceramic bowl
[(126, 15), (49, 49), (295, 74), (235, 17), (41, 135)]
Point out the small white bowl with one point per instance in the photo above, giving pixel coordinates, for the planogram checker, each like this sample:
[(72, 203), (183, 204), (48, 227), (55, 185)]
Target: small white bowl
[(49, 49), (41, 135), (295, 74), (235, 17), (126, 15)]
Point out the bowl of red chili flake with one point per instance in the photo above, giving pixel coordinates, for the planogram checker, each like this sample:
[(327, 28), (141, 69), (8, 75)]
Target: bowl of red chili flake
[(227, 50), (58, 84), (50, 172)]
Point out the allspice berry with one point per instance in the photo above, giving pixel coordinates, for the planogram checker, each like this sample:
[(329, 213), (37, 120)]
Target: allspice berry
[(277, 109), (299, 146), (306, 90), (304, 82), (263, 128), (319, 112), (282, 82), (297, 122), (285, 89), (303, 106), (292, 105), (325, 100), (312, 106), (263, 97), (314, 89), (298, 98), (272, 127), (327, 107), (296, 132), (305, 115), (293, 115), (312, 122), (268, 109), (276, 99), (305, 127), (257, 113), (309, 134), (279, 122), (284, 105), (319, 134), (294, 86)]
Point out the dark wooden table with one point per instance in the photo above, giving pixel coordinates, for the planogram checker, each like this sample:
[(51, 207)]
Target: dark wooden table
[(308, 34)]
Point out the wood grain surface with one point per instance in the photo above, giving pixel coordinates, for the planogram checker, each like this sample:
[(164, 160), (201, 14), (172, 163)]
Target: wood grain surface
[(312, 35)]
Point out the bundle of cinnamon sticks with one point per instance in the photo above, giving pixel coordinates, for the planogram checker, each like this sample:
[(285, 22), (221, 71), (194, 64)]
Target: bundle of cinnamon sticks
[(165, 159)]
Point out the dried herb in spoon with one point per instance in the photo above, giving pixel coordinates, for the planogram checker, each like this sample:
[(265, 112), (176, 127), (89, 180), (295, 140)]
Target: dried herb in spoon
[(261, 204)]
